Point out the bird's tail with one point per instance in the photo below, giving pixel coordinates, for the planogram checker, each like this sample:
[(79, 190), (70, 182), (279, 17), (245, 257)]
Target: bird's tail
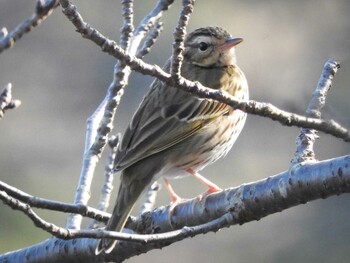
[(129, 191)]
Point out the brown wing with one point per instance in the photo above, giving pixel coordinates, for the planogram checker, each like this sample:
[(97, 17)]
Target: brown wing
[(166, 117)]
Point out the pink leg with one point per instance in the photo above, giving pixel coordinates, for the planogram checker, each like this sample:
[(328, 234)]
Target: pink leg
[(175, 199), (212, 188)]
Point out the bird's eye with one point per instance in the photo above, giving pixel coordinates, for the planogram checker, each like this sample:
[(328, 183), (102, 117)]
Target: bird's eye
[(203, 46)]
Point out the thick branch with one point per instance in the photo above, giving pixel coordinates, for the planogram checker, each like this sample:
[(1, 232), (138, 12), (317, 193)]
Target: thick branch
[(249, 202)]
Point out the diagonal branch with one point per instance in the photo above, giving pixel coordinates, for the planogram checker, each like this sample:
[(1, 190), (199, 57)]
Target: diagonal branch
[(253, 107), (307, 137), (27, 210), (44, 8), (147, 23), (150, 40), (42, 203), (100, 124)]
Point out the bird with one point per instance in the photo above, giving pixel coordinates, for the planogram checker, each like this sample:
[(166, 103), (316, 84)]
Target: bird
[(174, 133)]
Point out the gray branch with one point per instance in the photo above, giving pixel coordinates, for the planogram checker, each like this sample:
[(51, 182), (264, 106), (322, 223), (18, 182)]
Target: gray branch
[(44, 8), (150, 199), (13, 193), (150, 40), (107, 187), (252, 107), (6, 101), (306, 139), (100, 124), (160, 228), (238, 205), (128, 27), (179, 38)]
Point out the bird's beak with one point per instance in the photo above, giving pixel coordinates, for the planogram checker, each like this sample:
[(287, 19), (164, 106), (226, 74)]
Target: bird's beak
[(230, 43)]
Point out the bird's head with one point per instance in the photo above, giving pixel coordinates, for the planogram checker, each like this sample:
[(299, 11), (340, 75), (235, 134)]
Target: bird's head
[(211, 47)]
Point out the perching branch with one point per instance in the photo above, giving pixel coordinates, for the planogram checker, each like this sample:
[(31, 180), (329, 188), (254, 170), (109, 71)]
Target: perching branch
[(232, 206)]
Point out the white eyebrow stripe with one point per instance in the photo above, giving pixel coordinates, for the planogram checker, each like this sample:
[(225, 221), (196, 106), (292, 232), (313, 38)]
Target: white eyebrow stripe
[(205, 39)]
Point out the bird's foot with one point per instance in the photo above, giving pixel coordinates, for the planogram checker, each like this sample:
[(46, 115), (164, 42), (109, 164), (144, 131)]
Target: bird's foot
[(175, 199), (212, 189), (175, 202)]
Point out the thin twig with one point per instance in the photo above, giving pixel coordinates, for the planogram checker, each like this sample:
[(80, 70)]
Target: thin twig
[(44, 8), (65, 233), (107, 187), (147, 23), (131, 42), (253, 107), (113, 143), (27, 210), (150, 40), (122, 72), (104, 115), (100, 124), (151, 195), (306, 139), (6, 101), (42, 203), (179, 38), (128, 27)]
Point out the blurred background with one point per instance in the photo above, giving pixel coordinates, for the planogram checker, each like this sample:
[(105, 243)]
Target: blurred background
[(61, 79)]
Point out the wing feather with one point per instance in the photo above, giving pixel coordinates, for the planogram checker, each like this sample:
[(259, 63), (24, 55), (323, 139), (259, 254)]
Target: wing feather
[(162, 121)]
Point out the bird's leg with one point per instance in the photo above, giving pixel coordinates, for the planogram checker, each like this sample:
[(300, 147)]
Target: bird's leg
[(175, 199), (212, 188)]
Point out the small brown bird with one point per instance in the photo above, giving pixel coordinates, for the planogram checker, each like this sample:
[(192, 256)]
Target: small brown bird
[(174, 133)]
